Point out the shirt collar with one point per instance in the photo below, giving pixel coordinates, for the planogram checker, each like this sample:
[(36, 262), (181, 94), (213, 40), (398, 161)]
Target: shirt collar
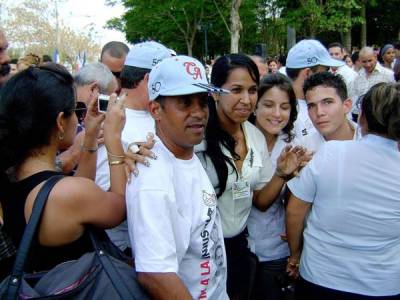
[(378, 69)]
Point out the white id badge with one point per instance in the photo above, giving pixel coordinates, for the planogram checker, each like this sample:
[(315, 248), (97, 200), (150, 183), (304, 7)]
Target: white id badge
[(240, 189)]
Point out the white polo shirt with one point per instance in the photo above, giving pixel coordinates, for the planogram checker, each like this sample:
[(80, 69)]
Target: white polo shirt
[(352, 238), (314, 141), (174, 224), (138, 124), (303, 125), (257, 170), (266, 228)]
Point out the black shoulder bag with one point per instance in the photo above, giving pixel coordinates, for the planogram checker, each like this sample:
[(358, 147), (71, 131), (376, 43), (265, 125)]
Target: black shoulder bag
[(102, 274)]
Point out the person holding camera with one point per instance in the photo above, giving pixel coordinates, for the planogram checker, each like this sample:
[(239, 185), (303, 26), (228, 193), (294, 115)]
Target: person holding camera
[(37, 120)]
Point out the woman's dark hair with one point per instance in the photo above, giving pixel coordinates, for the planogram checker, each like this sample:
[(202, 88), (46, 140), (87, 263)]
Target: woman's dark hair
[(381, 108), (216, 137), (283, 83), (29, 105)]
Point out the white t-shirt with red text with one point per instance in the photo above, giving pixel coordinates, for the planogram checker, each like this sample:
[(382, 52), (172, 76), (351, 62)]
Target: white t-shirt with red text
[(174, 224)]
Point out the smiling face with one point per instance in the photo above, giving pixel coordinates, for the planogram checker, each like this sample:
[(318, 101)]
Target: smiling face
[(368, 61), (327, 111), (273, 111), (235, 108), (181, 122)]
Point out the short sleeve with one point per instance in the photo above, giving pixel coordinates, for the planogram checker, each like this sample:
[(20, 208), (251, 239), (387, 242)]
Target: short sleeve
[(304, 186), (151, 229), (266, 171), (102, 169)]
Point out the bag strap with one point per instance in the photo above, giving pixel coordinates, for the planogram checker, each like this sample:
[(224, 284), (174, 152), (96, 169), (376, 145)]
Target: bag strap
[(110, 269), (29, 233)]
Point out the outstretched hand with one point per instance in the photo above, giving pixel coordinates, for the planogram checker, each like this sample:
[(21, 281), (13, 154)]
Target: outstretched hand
[(288, 161)]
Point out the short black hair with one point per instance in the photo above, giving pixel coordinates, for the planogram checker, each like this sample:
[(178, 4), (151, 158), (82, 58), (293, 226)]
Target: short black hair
[(294, 73), (131, 76), (115, 49), (355, 56), (327, 79), (336, 44), (14, 61)]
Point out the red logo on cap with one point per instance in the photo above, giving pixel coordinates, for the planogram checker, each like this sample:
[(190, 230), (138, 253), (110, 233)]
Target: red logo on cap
[(193, 69)]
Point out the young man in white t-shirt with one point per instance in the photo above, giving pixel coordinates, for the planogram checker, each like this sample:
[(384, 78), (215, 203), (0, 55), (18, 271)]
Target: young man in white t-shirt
[(305, 58), (328, 105), (174, 224), (134, 77)]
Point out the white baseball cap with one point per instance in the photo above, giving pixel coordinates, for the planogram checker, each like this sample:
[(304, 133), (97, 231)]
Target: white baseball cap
[(179, 75), (310, 53), (146, 55)]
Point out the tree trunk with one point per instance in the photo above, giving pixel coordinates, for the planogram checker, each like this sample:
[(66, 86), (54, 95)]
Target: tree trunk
[(236, 25), (347, 35), (291, 37), (189, 46), (364, 24), (347, 40)]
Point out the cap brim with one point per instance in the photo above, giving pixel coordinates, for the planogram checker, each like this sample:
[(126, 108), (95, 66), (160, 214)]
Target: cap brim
[(332, 63), (194, 89)]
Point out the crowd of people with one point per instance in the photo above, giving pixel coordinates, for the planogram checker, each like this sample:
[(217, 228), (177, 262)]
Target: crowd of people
[(249, 178)]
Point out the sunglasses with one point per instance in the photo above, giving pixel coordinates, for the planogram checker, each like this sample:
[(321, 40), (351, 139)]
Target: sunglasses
[(80, 111)]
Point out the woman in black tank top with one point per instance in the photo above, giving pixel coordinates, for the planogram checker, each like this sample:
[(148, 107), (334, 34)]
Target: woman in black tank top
[(37, 120)]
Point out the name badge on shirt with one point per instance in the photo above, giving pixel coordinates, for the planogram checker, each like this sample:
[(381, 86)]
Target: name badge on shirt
[(240, 189)]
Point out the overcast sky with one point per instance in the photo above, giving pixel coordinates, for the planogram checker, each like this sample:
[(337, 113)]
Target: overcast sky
[(83, 15), (86, 14)]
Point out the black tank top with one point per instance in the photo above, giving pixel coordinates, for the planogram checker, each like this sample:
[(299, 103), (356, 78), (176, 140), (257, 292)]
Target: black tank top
[(40, 257)]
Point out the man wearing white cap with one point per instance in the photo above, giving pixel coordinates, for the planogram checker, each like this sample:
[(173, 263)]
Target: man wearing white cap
[(139, 123), (174, 224), (305, 58)]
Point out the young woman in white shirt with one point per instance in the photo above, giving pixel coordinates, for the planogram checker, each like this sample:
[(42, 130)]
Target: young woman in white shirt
[(236, 159), (275, 114)]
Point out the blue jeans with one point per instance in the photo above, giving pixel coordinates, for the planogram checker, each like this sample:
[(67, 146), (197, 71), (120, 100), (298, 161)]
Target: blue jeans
[(272, 280)]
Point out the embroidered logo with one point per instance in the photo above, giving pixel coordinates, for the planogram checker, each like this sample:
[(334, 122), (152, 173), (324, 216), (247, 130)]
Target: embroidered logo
[(312, 60), (193, 69), (155, 87), (209, 199)]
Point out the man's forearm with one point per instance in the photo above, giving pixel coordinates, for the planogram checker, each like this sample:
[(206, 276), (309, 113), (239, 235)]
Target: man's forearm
[(166, 286), (295, 215)]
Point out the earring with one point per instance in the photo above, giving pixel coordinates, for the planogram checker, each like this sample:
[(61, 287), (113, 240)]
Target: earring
[(61, 136), (254, 113)]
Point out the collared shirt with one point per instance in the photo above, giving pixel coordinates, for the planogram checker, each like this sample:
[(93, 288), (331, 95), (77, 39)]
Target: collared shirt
[(303, 125), (256, 170), (266, 228), (363, 82), (314, 141), (352, 241)]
